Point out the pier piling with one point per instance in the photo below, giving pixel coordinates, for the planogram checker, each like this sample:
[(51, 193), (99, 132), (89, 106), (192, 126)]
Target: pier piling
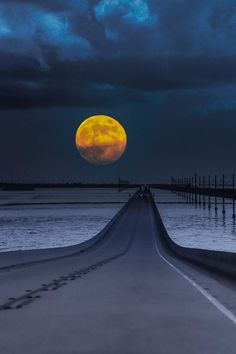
[(223, 199), (233, 201), (209, 192), (216, 208)]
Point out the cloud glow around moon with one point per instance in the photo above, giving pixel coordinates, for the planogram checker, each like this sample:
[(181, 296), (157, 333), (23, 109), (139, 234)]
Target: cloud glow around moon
[(101, 140)]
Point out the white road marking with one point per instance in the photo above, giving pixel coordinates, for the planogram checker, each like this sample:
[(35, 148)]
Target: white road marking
[(226, 312)]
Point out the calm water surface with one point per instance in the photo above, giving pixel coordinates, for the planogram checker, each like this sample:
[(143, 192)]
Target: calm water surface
[(60, 217), (46, 218), (197, 227)]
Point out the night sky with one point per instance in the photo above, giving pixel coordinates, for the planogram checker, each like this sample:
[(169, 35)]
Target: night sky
[(165, 69)]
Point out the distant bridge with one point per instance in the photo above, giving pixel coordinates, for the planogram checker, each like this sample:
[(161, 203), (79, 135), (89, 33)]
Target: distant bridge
[(204, 185), (212, 191)]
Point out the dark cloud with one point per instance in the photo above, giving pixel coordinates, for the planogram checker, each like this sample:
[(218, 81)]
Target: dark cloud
[(222, 14), (97, 81), (53, 52), (104, 154), (54, 5)]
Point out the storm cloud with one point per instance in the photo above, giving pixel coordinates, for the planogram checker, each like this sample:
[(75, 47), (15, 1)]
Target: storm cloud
[(54, 52)]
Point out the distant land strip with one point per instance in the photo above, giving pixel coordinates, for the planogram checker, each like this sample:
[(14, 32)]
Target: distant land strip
[(60, 203), (32, 186)]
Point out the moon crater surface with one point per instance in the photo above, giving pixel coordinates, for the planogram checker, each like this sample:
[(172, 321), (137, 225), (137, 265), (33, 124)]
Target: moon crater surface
[(101, 140)]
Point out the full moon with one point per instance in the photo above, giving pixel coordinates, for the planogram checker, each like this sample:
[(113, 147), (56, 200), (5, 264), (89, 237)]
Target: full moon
[(101, 140)]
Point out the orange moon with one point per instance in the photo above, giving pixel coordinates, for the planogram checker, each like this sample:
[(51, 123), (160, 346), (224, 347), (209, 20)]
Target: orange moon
[(101, 140)]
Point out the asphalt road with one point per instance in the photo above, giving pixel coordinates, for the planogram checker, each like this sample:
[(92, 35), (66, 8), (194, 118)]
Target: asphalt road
[(124, 295)]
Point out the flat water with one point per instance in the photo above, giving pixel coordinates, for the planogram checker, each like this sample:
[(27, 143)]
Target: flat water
[(195, 226), (47, 218)]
